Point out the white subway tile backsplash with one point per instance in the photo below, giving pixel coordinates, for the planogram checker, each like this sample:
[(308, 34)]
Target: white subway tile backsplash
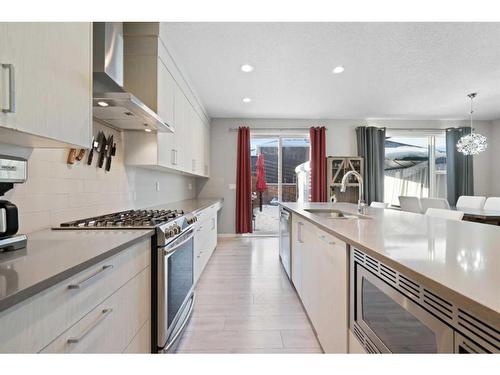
[(56, 192), (30, 222), (42, 202)]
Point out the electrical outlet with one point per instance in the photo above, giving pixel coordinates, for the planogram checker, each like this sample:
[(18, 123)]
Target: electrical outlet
[(157, 185), (232, 186), (190, 186)]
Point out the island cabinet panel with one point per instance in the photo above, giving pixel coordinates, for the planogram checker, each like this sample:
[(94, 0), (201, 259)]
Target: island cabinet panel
[(311, 278), (296, 252), (333, 293), (46, 84), (320, 276), (31, 325), (355, 346)]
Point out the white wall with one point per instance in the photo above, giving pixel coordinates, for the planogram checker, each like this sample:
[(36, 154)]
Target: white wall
[(341, 141), (56, 192)]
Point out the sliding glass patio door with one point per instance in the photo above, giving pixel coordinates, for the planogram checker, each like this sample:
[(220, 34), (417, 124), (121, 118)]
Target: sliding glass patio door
[(284, 159)]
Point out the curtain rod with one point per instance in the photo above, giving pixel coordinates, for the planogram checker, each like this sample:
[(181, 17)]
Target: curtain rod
[(272, 129), (416, 129), (302, 129)]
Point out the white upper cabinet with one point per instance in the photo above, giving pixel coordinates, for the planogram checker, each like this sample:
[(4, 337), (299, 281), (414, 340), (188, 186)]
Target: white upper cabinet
[(152, 76), (206, 149), (46, 84), (166, 93)]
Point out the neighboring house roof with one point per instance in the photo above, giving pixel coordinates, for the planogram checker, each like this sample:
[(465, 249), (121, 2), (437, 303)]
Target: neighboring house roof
[(400, 155)]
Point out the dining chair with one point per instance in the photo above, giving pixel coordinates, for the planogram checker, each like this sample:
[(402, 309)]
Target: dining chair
[(492, 203), (444, 213), (379, 204), (434, 203), (470, 201), (410, 204)]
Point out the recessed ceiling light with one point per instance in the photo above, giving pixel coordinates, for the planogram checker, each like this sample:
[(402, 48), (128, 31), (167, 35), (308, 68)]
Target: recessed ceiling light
[(147, 130), (246, 68), (102, 104), (246, 100), (338, 69)]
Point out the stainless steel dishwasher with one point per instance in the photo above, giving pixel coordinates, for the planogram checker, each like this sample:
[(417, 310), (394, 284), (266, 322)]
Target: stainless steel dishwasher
[(285, 241)]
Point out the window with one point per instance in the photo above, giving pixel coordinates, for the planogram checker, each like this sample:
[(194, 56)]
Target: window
[(415, 165)]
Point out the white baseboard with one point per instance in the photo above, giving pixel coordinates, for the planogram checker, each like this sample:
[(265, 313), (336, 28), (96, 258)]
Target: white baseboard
[(228, 235), (245, 235)]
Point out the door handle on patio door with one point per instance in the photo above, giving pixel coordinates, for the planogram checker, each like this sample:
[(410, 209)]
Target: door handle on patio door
[(299, 232)]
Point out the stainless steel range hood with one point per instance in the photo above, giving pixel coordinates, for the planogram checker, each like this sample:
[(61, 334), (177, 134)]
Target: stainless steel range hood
[(111, 103)]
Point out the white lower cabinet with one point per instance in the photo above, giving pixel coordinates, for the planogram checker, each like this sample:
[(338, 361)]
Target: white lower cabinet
[(76, 308), (332, 293), (205, 239), (141, 343), (112, 325), (320, 276)]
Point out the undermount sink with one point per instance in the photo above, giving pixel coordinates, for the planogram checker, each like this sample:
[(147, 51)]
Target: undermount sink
[(329, 213)]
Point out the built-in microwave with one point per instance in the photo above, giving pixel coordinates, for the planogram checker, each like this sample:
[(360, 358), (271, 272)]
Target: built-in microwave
[(391, 313), (392, 323)]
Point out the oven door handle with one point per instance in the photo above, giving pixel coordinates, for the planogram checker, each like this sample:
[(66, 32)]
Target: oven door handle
[(184, 323), (171, 250)]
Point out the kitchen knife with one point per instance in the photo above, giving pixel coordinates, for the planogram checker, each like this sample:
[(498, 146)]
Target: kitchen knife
[(101, 149), (109, 152), (93, 146)]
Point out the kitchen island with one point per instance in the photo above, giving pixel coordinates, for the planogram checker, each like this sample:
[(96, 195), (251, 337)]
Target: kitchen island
[(457, 261)]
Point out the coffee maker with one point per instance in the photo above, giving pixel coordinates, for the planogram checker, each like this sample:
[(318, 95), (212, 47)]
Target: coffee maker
[(13, 170)]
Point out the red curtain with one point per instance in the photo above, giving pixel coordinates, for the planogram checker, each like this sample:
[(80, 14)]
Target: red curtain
[(318, 164), (243, 183)]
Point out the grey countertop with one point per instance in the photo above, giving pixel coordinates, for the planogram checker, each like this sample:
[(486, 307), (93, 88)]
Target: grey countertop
[(189, 205), (52, 256), (459, 259)]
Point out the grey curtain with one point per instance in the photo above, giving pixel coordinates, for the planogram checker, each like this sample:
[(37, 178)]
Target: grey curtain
[(371, 146), (459, 173)]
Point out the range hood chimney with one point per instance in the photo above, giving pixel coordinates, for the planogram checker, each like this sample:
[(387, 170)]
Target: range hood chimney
[(111, 103)]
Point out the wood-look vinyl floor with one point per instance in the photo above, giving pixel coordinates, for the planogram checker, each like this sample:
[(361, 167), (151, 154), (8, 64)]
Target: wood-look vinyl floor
[(246, 304)]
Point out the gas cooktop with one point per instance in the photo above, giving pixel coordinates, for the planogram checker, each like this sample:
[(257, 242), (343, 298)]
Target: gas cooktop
[(131, 219)]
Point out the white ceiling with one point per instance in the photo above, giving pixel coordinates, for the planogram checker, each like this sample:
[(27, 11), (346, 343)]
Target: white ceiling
[(392, 70)]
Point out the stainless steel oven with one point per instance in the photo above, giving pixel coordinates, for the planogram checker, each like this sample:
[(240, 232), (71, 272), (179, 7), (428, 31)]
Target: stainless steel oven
[(175, 289), (385, 320)]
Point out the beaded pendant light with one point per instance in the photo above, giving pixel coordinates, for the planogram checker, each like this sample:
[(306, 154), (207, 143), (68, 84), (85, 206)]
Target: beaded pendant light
[(473, 143)]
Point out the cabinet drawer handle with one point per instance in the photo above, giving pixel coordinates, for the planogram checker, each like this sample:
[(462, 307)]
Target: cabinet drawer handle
[(174, 156), (323, 238), (299, 232), (12, 89), (104, 314), (95, 274)]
